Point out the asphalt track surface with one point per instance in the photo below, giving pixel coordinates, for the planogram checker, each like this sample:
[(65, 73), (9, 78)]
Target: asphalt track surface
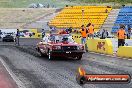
[(39, 72)]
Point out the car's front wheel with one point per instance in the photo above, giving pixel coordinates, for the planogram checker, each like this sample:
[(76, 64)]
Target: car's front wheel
[(50, 55), (40, 53)]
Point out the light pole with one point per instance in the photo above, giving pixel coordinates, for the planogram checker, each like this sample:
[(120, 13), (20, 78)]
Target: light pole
[(82, 16)]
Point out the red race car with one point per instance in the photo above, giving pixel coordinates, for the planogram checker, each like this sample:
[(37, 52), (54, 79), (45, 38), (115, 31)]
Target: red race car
[(60, 45)]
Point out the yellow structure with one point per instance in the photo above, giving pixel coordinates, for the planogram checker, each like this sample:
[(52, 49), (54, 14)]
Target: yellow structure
[(97, 45), (75, 16), (100, 46), (125, 51), (77, 38)]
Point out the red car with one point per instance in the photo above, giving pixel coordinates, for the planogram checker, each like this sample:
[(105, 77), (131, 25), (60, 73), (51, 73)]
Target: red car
[(60, 45)]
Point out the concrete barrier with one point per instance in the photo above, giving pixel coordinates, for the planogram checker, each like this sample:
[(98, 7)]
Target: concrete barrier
[(96, 45), (125, 51), (100, 46), (39, 35)]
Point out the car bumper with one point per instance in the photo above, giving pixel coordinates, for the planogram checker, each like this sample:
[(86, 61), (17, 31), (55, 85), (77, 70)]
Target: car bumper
[(66, 53), (8, 39)]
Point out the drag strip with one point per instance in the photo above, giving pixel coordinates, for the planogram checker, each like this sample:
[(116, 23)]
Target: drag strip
[(37, 72)]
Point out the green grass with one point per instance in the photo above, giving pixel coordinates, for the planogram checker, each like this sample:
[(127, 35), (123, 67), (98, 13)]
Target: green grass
[(104, 1), (60, 3), (26, 3)]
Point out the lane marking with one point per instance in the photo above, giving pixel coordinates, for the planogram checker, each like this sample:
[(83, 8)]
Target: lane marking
[(14, 77), (113, 56)]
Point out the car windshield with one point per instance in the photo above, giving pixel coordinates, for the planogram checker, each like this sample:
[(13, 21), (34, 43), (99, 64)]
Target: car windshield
[(61, 38), (8, 35)]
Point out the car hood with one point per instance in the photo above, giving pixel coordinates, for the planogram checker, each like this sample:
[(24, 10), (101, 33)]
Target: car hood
[(65, 44)]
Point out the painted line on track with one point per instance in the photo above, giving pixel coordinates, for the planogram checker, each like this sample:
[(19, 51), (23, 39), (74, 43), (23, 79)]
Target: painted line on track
[(112, 56), (14, 77)]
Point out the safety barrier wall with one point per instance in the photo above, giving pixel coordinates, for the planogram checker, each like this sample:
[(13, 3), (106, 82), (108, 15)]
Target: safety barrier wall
[(24, 33), (28, 33), (125, 51), (77, 38), (97, 45), (100, 46)]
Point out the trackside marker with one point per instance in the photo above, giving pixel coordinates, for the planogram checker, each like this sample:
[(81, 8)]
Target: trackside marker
[(113, 56)]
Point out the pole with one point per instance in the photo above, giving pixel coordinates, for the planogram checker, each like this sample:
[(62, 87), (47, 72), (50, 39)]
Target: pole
[(82, 16)]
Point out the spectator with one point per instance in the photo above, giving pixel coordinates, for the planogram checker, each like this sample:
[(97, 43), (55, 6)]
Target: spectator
[(67, 30), (129, 33), (83, 32), (70, 30), (43, 33), (17, 37), (30, 35), (52, 38), (106, 11), (91, 31), (121, 36), (53, 29), (104, 34), (87, 28), (98, 34)]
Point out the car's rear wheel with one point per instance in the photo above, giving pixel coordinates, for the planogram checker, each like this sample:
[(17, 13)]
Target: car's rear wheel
[(79, 57)]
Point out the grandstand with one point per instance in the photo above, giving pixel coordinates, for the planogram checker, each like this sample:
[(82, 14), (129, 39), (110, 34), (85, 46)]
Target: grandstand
[(75, 16), (124, 17)]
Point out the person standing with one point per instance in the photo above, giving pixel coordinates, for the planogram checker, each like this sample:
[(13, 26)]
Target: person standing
[(70, 30), (121, 36), (17, 37), (91, 31), (129, 33), (104, 34), (84, 32), (43, 33), (87, 28)]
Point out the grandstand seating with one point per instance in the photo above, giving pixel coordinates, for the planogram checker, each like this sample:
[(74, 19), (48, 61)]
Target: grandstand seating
[(72, 16), (124, 17)]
